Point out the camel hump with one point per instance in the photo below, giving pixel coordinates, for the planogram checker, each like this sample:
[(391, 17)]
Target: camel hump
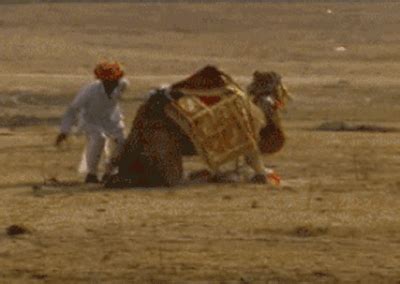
[(207, 78)]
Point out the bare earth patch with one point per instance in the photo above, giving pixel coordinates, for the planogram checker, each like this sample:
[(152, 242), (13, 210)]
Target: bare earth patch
[(335, 218)]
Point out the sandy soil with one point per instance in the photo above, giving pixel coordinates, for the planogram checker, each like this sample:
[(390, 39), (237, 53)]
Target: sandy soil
[(335, 217)]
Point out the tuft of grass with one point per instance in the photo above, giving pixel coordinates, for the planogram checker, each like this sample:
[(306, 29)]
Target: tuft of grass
[(14, 230), (307, 231), (227, 197), (344, 126)]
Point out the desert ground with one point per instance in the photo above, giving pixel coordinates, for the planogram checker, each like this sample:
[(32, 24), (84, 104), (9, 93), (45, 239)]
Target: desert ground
[(334, 219)]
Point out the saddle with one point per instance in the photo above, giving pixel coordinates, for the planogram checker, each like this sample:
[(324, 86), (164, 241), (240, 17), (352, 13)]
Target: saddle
[(216, 114)]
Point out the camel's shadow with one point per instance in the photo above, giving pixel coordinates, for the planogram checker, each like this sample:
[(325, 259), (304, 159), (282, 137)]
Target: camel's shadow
[(57, 187)]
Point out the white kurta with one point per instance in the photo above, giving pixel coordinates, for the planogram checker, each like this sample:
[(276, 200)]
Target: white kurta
[(100, 117)]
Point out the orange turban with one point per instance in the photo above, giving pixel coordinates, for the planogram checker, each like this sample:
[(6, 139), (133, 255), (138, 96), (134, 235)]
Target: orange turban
[(107, 71)]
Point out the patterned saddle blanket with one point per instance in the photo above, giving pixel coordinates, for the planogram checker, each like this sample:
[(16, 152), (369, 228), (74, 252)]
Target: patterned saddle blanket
[(217, 115)]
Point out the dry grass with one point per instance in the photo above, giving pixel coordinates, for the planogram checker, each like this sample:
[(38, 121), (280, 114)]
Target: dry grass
[(335, 218)]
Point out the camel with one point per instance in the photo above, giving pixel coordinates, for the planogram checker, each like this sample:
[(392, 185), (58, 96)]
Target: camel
[(154, 150)]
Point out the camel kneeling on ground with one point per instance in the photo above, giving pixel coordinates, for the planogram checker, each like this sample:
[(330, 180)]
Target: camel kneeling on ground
[(153, 152)]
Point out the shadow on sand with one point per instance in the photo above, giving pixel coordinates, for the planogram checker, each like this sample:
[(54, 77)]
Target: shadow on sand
[(344, 126)]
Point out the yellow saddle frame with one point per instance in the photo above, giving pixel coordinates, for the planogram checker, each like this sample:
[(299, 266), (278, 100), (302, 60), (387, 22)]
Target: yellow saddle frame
[(221, 132)]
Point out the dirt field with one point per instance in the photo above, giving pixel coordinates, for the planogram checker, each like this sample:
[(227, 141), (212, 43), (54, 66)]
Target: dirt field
[(336, 216)]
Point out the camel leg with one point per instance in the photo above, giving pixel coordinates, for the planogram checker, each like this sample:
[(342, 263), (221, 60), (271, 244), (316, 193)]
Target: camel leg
[(254, 160)]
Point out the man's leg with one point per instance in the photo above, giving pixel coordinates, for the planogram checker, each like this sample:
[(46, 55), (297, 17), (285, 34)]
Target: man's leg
[(95, 147), (114, 144)]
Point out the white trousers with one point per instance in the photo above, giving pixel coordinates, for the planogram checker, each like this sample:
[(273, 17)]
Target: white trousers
[(99, 141)]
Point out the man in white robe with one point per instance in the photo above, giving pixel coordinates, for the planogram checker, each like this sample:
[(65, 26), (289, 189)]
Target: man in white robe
[(100, 117)]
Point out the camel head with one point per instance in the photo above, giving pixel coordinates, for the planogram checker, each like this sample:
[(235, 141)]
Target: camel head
[(268, 92), (270, 95)]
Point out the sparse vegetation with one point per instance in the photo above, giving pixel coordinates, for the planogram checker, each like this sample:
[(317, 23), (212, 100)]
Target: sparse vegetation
[(14, 230), (336, 217)]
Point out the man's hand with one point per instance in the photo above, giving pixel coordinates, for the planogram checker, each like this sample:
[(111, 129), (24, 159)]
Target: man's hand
[(60, 138)]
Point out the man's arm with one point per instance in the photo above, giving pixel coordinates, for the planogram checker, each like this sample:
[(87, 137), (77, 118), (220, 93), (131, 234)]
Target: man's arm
[(124, 84), (70, 114)]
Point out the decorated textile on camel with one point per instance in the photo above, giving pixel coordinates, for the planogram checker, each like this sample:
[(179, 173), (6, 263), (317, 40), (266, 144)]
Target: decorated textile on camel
[(217, 116)]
